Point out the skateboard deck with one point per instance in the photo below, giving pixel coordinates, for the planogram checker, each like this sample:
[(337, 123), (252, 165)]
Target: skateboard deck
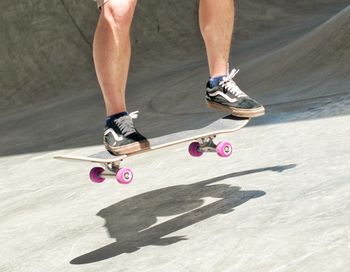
[(202, 141)]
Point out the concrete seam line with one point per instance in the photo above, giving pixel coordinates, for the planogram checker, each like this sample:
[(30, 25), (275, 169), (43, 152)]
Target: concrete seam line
[(75, 23)]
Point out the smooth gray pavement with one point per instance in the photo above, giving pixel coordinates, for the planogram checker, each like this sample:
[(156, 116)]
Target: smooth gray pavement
[(280, 203)]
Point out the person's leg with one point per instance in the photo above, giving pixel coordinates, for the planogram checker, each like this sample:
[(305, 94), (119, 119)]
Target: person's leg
[(111, 52), (216, 20)]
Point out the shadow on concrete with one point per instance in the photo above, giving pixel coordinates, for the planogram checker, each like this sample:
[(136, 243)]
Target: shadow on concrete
[(133, 222)]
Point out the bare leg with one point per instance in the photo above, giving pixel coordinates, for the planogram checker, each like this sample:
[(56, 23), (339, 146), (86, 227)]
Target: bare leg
[(216, 20), (112, 51)]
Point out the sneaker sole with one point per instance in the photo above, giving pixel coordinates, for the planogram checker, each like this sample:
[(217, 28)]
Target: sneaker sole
[(128, 149), (237, 112)]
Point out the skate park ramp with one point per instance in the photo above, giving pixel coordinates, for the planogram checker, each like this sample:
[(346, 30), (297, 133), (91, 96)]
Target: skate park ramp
[(286, 53), (279, 204)]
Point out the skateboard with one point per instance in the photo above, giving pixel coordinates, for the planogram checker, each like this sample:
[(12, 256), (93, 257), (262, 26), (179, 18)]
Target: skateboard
[(202, 141)]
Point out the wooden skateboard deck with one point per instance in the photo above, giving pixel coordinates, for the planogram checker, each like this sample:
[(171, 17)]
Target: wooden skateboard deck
[(203, 138)]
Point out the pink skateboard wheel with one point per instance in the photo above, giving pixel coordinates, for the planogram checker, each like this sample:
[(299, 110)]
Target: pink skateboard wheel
[(124, 175), (224, 149), (95, 175), (193, 149)]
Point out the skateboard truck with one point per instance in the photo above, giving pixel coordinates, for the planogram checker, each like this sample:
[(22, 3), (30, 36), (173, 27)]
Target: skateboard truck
[(206, 144), (123, 175)]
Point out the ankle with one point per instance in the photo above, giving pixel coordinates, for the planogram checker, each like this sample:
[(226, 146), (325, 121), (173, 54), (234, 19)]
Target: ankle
[(214, 81)]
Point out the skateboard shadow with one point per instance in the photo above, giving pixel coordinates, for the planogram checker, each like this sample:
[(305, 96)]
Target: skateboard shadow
[(132, 222)]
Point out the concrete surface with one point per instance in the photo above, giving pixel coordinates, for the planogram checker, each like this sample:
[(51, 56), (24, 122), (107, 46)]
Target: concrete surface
[(280, 203)]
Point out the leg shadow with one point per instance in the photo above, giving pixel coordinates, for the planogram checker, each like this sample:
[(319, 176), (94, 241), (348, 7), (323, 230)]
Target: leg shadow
[(132, 222)]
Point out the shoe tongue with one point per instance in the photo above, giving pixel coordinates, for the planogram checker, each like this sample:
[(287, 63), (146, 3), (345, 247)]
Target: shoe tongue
[(125, 124), (111, 119)]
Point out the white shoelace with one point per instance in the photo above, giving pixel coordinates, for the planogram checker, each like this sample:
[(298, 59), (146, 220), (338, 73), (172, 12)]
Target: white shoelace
[(125, 124), (231, 86), (134, 114)]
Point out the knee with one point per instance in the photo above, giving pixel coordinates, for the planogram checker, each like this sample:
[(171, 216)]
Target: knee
[(119, 13)]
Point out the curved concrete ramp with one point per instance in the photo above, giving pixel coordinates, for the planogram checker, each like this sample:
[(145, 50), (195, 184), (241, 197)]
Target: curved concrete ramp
[(46, 46), (43, 54), (287, 52), (280, 203), (315, 65)]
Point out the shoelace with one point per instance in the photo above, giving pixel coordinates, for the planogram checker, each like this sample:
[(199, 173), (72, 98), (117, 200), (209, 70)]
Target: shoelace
[(125, 123), (228, 84), (134, 114)]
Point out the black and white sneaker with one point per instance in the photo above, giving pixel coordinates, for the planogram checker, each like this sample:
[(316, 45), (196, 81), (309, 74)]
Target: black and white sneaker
[(227, 96), (121, 137)]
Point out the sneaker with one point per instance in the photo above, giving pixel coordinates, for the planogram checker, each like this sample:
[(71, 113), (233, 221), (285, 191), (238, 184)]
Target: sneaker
[(227, 96), (121, 137)]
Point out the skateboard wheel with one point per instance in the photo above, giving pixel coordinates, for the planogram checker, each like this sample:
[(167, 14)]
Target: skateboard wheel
[(224, 149), (193, 149), (95, 175), (124, 175)]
